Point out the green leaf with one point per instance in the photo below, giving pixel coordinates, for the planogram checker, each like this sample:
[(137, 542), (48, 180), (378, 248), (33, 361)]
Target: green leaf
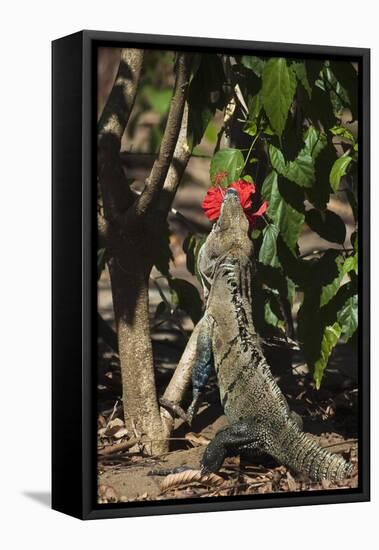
[(278, 89), (250, 128), (186, 297), (347, 76), (301, 170), (158, 99), (255, 106), (270, 316), (344, 267), (330, 338), (253, 63), (294, 267), (301, 73), (343, 132), (268, 253), (330, 290), (230, 161), (319, 108), (277, 159), (327, 224), (314, 142), (348, 317), (286, 218), (351, 264), (338, 170), (319, 194)]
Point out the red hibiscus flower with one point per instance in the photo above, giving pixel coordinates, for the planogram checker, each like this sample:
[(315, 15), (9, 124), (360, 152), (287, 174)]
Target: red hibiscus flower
[(246, 190)]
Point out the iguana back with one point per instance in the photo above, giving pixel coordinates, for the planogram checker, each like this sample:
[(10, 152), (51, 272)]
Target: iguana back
[(259, 416)]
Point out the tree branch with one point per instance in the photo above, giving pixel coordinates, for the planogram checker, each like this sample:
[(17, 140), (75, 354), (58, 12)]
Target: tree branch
[(161, 166), (116, 194), (178, 165), (116, 112), (181, 378)]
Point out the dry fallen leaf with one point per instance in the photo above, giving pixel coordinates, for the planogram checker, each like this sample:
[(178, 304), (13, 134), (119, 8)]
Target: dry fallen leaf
[(291, 482), (121, 433), (114, 426), (197, 439), (106, 493), (190, 476)]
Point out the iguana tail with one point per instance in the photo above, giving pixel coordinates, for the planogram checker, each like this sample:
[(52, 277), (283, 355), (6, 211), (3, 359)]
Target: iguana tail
[(303, 454)]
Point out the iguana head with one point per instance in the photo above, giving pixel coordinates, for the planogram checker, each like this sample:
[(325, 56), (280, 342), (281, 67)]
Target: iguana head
[(229, 237)]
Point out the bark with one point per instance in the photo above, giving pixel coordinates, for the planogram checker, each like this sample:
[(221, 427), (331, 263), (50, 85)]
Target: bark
[(181, 379), (164, 161), (178, 164), (130, 231), (114, 189), (129, 267)]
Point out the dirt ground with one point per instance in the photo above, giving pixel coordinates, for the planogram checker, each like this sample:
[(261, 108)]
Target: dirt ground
[(329, 414)]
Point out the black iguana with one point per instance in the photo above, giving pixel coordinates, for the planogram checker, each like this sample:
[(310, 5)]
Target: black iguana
[(258, 413)]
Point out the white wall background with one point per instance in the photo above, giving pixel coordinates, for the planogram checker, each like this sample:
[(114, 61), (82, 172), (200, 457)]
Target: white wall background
[(27, 29)]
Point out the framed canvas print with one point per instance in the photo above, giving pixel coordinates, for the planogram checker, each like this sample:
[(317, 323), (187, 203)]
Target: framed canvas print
[(210, 274)]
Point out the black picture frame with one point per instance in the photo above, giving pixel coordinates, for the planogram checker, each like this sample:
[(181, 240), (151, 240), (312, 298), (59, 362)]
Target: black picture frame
[(74, 276)]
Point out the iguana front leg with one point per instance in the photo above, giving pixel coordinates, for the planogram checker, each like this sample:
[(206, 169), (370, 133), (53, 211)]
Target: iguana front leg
[(241, 436), (203, 365)]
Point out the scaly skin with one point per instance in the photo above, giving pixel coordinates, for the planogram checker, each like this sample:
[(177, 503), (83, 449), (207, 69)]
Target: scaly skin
[(258, 413)]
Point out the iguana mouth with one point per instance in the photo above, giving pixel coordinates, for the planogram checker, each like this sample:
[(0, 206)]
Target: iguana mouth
[(230, 208)]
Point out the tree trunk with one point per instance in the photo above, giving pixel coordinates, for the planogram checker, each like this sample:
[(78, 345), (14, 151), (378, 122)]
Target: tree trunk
[(129, 266)]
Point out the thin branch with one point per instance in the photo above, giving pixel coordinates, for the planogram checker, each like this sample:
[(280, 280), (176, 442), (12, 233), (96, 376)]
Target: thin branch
[(178, 165), (181, 378), (250, 150), (117, 447), (161, 166)]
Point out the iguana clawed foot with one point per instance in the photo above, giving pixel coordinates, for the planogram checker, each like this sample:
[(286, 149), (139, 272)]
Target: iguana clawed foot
[(229, 441)]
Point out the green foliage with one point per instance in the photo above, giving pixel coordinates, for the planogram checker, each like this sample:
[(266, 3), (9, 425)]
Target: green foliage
[(287, 148), (228, 161), (329, 340), (338, 170), (286, 218), (301, 74), (159, 100), (268, 254), (254, 63), (327, 224), (278, 89), (348, 317)]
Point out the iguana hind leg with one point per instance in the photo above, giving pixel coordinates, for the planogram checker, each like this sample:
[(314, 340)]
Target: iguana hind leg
[(203, 366), (230, 441)]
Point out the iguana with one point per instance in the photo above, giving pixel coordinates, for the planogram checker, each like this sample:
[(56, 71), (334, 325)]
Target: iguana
[(258, 413)]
